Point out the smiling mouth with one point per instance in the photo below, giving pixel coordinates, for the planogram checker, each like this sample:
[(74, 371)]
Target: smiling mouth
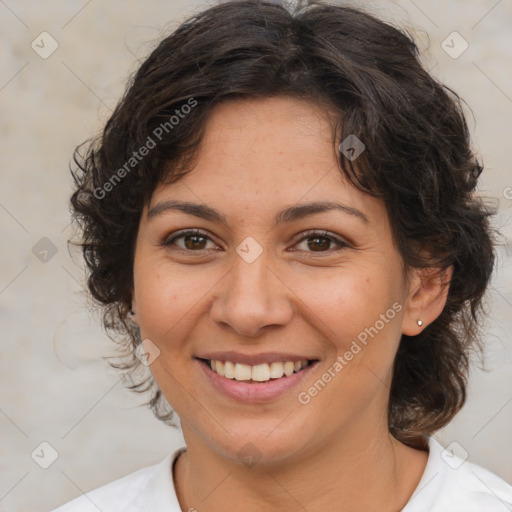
[(259, 373)]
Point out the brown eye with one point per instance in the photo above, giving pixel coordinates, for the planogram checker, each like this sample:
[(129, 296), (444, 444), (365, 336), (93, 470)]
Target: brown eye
[(321, 242), (194, 241), (190, 240)]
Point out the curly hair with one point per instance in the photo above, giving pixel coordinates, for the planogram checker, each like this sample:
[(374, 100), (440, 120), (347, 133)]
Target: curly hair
[(418, 159)]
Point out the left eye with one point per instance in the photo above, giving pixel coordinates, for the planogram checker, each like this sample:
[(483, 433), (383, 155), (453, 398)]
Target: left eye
[(320, 241), (195, 241)]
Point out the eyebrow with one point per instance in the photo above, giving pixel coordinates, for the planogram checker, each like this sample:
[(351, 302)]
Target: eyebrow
[(287, 215)]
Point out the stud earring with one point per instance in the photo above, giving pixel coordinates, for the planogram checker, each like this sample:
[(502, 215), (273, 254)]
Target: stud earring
[(419, 322)]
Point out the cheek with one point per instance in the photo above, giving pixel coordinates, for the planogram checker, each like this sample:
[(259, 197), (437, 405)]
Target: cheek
[(350, 301), (359, 312), (168, 298)]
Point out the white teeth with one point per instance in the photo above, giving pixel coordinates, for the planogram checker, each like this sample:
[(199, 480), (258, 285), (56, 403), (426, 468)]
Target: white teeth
[(259, 372), (229, 370), (219, 368), (242, 371), (289, 367), (276, 370)]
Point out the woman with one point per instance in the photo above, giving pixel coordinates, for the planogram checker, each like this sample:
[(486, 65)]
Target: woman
[(280, 217)]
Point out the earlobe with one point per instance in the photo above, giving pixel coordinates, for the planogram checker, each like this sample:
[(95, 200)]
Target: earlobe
[(132, 317), (132, 314), (428, 291)]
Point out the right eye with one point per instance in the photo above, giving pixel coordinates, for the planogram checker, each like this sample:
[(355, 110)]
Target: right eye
[(192, 240)]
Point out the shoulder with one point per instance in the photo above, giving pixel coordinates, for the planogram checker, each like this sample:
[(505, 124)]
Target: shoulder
[(452, 484), (135, 492), (118, 493)]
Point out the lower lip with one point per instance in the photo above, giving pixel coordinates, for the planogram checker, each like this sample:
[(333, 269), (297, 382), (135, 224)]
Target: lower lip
[(255, 392)]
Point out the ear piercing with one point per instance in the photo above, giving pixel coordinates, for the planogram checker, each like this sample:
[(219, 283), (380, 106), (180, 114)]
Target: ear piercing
[(419, 322)]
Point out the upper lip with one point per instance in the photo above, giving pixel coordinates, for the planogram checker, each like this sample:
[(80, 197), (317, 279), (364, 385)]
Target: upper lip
[(254, 359)]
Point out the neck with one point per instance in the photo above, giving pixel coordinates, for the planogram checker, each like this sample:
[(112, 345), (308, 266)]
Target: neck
[(371, 471)]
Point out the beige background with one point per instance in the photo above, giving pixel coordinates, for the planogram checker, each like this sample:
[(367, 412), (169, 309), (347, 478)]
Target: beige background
[(54, 387)]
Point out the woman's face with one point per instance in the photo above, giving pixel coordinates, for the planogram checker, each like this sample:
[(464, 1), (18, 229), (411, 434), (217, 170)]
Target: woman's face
[(269, 279)]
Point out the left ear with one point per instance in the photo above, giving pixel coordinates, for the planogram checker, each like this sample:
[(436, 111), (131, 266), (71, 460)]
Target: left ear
[(133, 314), (428, 290)]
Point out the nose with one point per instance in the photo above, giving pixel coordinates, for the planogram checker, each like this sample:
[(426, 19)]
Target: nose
[(251, 298)]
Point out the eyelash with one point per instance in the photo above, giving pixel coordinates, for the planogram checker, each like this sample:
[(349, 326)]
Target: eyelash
[(307, 235)]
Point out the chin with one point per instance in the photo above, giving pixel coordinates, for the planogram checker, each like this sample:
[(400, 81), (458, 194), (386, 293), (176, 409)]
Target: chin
[(260, 442)]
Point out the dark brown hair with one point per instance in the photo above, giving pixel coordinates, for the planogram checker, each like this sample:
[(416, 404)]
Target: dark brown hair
[(417, 158)]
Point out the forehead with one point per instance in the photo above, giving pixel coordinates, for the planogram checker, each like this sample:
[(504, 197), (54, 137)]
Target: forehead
[(263, 154), (281, 130)]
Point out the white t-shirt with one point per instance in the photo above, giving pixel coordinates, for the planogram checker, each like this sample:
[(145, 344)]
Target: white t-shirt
[(448, 484)]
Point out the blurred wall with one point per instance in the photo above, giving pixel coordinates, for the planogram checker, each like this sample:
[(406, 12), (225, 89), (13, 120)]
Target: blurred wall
[(63, 68)]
